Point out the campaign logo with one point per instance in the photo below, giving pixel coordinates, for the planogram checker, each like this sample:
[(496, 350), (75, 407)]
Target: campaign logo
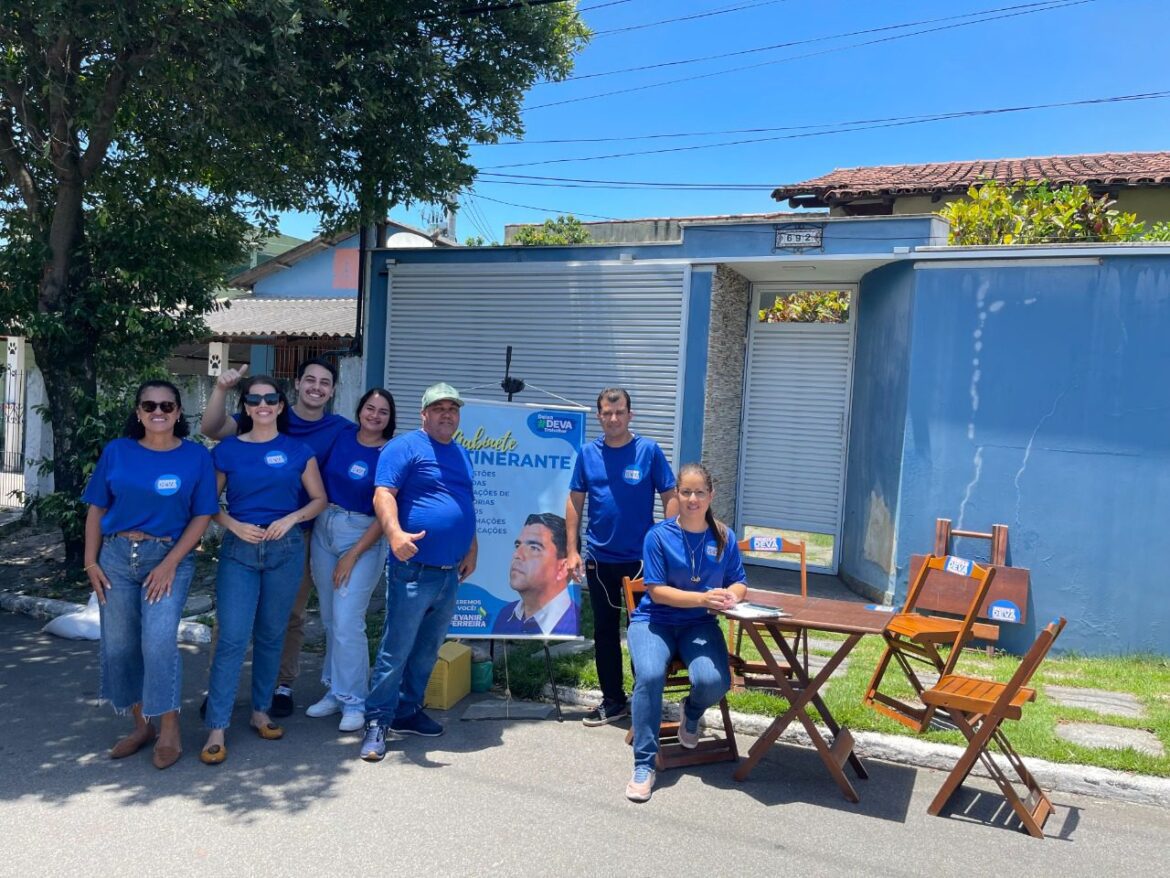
[(358, 470), (1003, 611), (552, 424), (711, 551), (168, 484), (960, 566), (632, 474), (276, 458)]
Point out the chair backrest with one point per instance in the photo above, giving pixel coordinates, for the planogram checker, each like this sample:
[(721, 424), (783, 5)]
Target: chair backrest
[(1032, 660), (633, 590), (977, 578), (780, 546)]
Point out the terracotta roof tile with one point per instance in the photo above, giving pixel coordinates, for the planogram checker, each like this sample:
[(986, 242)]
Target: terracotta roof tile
[(1101, 169), (311, 318)]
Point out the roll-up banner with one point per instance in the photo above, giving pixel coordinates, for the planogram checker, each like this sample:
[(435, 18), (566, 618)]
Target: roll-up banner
[(523, 457)]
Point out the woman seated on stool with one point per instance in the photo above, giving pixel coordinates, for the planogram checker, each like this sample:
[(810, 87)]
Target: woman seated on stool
[(692, 569)]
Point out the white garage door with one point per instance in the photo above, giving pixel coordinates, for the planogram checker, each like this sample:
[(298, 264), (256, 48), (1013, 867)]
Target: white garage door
[(574, 329), (796, 425)]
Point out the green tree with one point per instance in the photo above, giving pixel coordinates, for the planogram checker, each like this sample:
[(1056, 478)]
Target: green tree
[(1033, 212), (135, 137), (563, 230)]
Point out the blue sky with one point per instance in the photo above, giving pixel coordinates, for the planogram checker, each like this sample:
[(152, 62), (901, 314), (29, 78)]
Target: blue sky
[(1029, 54)]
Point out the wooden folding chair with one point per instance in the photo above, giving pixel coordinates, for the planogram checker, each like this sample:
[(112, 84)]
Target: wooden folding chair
[(915, 639), (747, 674), (979, 708), (671, 754)]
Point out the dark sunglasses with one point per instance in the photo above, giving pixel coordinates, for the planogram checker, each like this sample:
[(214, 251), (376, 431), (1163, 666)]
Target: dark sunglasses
[(257, 398), (166, 406)]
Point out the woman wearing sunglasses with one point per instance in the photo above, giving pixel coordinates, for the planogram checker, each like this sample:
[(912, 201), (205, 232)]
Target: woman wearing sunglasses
[(261, 556), (347, 557), (150, 499)]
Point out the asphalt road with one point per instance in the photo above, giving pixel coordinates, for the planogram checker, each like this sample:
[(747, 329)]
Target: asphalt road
[(489, 797)]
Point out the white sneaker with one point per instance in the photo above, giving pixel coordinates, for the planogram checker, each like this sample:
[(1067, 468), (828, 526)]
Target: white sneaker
[(327, 706), (641, 785), (688, 730), (352, 720)]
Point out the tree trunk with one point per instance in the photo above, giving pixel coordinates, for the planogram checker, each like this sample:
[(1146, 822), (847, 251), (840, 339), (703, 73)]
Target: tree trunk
[(67, 359)]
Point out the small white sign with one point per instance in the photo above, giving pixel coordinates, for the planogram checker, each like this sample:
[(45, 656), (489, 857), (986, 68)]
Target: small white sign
[(799, 237)]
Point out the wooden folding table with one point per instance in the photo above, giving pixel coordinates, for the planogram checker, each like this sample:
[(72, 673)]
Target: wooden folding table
[(794, 683)]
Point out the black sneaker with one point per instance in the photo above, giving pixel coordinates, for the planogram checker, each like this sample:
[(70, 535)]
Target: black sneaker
[(605, 713), (282, 702), (419, 724), (374, 742)]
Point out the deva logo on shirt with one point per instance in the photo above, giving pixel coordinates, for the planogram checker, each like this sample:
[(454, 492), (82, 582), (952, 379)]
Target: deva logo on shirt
[(276, 458), (168, 484), (632, 474), (711, 551), (358, 470)]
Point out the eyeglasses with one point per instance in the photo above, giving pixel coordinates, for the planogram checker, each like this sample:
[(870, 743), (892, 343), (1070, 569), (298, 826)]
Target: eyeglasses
[(166, 406), (698, 495), (257, 398)]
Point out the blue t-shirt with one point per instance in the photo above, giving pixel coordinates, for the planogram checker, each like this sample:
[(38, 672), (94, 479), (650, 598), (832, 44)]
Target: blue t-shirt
[(263, 478), (434, 483), (621, 484), (671, 556), (156, 492), (348, 472)]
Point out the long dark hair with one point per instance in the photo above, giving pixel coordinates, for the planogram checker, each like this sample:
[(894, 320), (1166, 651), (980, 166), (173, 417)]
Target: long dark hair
[(245, 424), (717, 526), (388, 430), (134, 428)]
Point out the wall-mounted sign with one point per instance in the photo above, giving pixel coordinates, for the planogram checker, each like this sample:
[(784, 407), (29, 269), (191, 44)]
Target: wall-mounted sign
[(799, 236)]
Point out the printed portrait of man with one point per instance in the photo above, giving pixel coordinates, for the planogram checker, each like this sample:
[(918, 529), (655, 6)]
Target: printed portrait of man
[(539, 574)]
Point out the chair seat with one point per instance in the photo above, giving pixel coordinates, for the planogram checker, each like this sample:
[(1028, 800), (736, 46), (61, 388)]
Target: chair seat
[(973, 695), (916, 627)]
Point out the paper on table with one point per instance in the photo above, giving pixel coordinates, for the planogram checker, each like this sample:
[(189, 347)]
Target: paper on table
[(754, 611)]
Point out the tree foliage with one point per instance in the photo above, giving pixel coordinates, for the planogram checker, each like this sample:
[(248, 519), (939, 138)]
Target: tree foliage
[(552, 232), (808, 306), (136, 137), (1033, 212)]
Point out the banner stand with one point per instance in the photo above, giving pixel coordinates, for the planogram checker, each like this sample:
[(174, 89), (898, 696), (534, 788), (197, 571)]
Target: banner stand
[(552, 685)]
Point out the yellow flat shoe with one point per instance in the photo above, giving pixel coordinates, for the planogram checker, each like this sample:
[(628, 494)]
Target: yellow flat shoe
[(213, 755), (269, 731)]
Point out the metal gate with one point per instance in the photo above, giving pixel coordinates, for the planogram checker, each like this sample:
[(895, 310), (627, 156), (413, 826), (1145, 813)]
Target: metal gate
[(12, 438)]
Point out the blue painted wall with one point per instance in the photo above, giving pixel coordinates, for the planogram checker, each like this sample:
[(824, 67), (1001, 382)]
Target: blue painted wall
[(690, 444), (1038, 398), (327, 274), (881, 374)]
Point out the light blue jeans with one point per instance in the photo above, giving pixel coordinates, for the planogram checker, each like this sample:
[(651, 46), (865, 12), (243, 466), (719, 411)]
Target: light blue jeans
[(420, 601), (140, 659), (254, 593), (701, 648), (346, 672)]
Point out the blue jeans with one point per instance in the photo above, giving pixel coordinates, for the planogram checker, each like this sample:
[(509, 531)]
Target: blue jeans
[(139, 651), (254, 592), (346, 672), (701, 648), (420, 601)]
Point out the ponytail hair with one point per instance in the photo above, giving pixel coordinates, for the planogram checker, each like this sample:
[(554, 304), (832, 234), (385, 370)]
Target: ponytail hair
[(717, 527)]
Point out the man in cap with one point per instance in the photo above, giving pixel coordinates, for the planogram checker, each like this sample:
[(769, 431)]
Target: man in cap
[(424, 502)]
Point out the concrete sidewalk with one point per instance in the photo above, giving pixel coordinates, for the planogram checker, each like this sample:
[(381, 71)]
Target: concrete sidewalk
[(491, 796)]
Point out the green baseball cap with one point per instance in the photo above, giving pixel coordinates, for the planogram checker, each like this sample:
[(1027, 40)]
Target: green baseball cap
[(439, 392)]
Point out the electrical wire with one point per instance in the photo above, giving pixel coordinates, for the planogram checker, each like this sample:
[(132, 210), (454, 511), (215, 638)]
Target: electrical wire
[(1060, 5), (697, 15), (844, 128), (788, 45), (545, 209)]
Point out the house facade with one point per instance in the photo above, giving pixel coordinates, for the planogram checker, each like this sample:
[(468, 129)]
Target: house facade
[(982, 385)]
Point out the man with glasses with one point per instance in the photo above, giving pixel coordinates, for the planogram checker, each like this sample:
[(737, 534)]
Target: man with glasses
[(619, 472), (309, 422), (425, 503)]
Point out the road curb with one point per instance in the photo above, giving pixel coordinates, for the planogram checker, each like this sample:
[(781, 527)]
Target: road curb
[(1084, 780), (51, 608)]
